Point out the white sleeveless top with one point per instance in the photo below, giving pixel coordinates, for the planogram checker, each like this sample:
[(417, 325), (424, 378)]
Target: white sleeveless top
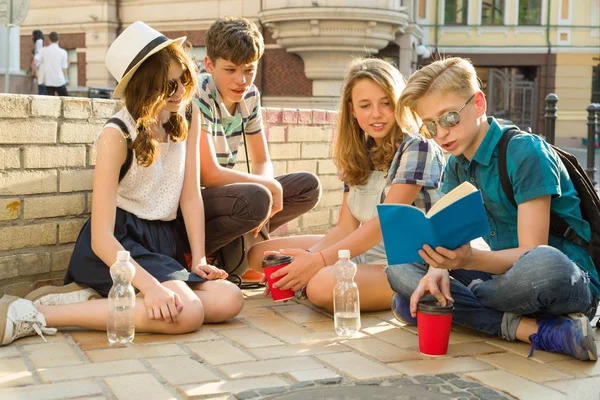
[(152, 193)]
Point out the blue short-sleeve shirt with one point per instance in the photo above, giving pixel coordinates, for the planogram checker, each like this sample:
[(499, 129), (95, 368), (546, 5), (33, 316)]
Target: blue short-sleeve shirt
[(535, 170)]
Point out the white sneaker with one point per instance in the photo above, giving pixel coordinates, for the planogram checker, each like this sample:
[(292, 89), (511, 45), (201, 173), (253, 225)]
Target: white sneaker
[(20, 318), (67, 294)]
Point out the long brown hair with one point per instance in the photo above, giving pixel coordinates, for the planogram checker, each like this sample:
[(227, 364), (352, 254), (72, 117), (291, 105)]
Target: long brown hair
[(146, 94), (454, 74), (353, 155)]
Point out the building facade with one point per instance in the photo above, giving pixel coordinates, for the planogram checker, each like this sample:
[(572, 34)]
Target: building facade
[(522, 49)]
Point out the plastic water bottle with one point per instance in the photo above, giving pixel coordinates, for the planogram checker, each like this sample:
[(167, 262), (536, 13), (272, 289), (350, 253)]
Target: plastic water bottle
[(120, 326), (346, 303)]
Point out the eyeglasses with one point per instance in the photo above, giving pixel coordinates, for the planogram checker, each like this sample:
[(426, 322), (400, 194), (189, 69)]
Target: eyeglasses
[(173, 84), (447, 120)]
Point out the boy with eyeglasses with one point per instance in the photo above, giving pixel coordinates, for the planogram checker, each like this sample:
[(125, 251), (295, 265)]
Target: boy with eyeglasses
[(530, 286), (240, 202)]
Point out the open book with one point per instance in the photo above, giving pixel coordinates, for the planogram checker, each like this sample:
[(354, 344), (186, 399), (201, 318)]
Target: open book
[(452, 221)]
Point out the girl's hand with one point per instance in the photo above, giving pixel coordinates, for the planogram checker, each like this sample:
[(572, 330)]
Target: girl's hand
[(447, 259), (162, 304), (300, 271), (437, 283), (208, 271)]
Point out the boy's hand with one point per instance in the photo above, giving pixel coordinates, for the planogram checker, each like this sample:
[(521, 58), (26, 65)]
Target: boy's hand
[(437, 283), (447, 259)]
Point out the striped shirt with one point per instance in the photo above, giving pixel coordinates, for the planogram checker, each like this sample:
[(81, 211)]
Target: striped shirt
[(226, 129)]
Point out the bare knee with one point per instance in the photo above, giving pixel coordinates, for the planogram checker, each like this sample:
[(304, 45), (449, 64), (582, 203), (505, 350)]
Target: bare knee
[(231, 302), (320, 289), (191, 317)]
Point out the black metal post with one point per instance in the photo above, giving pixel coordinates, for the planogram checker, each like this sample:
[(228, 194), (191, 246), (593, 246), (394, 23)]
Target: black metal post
[(592, 123), (550, 116)]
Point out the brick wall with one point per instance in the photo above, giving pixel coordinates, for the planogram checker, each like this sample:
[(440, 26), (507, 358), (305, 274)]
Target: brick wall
[(46, 170)]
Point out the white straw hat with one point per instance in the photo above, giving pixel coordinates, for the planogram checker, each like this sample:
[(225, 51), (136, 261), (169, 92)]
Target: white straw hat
[(129, 50)]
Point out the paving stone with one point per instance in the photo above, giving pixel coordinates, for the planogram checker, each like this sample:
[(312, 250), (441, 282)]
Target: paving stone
[(233, 386), (583, 388), (219, 352), (329, 381), (274, 390), (401, 381), (485, 393), (301, 385), (9, 351), (180, 370), (51, 355), (440, 366), (319, 337), (198, 336), (429, 380), (514, 385), (250, 338), (59, 337), (383, 351), (137, 386), (394, 335), (297, 350), (371, 382), (463, 383), (255, 312), (91, 370), (313, 374), (357, 366), (277, 326), (134, 352), (258, 368), (526, 368), (90, 340), (448, 377), (229, 324), (577, 368), (55, 391), (523, 350), (301, 314), (472, 349), (248, 394), (14, 372), (321, 326)]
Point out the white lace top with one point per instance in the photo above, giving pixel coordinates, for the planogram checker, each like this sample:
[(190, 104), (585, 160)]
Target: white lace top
[(153, 192)]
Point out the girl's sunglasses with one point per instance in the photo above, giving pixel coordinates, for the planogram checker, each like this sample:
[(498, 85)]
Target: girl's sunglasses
[(447, 120), (173, 84)]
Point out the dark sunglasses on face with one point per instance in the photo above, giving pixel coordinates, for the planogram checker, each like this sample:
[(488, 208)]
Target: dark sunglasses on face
[(447, 120), (173, 84)]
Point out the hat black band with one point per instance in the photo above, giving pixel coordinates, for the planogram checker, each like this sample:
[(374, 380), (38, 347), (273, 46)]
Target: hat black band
[(144, 52)]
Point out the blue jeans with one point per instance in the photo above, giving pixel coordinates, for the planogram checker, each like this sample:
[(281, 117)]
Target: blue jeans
[(543, 281)]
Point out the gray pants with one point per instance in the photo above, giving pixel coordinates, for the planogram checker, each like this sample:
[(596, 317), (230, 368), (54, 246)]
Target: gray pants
[(233, 210)]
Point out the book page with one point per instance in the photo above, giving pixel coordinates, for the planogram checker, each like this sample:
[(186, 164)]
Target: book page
[(455, 194)]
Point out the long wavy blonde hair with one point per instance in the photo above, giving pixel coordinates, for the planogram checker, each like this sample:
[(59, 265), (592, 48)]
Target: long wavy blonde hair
[(455, 74), (355, 154), (146, 94)]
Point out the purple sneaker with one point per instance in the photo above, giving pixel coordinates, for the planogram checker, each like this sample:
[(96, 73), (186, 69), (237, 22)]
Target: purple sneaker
[(570, 334), (401, 310)]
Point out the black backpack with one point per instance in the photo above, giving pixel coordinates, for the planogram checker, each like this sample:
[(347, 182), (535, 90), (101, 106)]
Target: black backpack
[(589, 200)]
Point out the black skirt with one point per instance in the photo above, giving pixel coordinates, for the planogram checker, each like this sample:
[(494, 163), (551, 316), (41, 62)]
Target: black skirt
[(157, 246)]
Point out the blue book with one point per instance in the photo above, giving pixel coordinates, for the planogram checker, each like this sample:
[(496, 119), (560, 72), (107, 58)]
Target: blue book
[(455, 219)]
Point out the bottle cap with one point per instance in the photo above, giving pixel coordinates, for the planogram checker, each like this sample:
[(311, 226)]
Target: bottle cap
[(122, 255), (343, 253)]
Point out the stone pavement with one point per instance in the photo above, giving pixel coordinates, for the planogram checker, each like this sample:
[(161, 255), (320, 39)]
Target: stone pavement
[(288, 351)]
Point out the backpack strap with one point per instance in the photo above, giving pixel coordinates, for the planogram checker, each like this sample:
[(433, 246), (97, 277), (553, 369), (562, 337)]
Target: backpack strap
[(129, 158), (558, 226)]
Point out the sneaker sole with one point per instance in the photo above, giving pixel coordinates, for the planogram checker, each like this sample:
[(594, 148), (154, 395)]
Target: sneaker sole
[(73, 287), (589, 344), (5, 302)]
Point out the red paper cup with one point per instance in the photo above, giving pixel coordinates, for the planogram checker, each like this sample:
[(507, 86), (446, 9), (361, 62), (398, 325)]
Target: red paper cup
[(271, 264), (433, 324)]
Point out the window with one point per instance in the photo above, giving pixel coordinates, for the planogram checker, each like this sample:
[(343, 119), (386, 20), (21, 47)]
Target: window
[(530, 12), (422, 9), (198, 54), (492, 12), (456, 12)]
